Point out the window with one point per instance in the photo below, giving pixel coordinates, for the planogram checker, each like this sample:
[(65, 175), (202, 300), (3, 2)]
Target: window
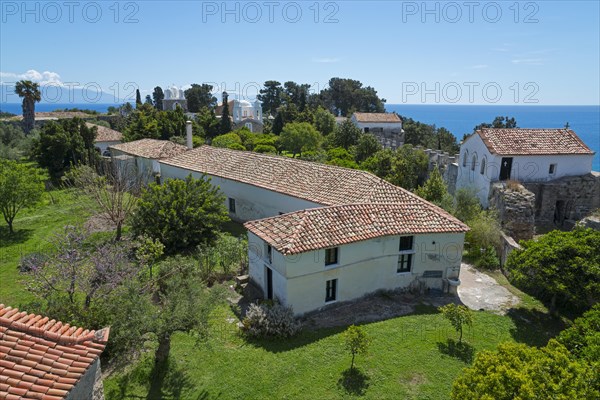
[(331, 291), (474, 163), (249, 126), (366, 130), (406, 243), (232, 206), (404, 263), (331, 256), (482, 170), (552, 169), (465, 157), (406, 253)]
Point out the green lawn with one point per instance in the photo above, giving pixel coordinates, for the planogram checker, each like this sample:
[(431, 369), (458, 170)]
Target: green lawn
[(411, 357), (33, 228)]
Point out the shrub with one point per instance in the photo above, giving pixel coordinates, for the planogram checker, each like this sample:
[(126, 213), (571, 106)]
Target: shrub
[(263, 148), (275, 320), (487, 259)]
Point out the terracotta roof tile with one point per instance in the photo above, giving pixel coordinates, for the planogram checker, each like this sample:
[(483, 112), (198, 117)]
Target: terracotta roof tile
[(42, 358), (518, 141), (319, 183), (151, 148), (377, 117), (320, 228), (106, 134)]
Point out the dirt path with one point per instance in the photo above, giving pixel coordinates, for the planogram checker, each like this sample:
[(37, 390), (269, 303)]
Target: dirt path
[(480, 291)]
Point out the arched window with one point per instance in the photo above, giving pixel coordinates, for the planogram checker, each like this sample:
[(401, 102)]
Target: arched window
[(482, 171), (465, 157), (474, 162)]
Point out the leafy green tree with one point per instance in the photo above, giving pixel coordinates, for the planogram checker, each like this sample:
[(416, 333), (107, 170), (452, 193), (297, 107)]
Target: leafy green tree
[(278, 124), (380, 163), (466, 205), (434, 189), (225, 123), (516, 371), (356, 342), (409, 167), (143, 123), (229, 141), (65, 143), (484, 238), (458, 316), (298, 137), (209, 123), (341, 157), (560, 266), (296, 94), (346, 134), (138, 98), (21, 186), (324, 121), (180, 213), (499, 122), (271, 97), (158, 96), (30, 92), (366, 147), (582, 338), (149, 100), (345, 96), (199, 97)]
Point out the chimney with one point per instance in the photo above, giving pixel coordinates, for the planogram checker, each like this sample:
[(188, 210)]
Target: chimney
[(188, 134)]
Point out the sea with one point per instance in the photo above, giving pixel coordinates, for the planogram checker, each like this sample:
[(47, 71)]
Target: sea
[(458, 119)]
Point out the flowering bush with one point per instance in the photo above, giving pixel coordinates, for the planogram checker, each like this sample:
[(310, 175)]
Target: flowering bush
[(276, 320)]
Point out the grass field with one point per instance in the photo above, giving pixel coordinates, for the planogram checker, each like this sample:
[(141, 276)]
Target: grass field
[(33, 228), (411, 357)]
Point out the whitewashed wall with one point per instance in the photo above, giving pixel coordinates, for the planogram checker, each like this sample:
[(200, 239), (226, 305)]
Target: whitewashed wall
[(364, 267), (386, 126), (104, 145), (251, 202)]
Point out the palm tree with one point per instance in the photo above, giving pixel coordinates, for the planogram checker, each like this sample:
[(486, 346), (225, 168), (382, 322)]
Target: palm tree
[(30, 92)]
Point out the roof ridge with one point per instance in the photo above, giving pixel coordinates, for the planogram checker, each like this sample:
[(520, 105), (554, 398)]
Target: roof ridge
[(298, 228), (57, 331)]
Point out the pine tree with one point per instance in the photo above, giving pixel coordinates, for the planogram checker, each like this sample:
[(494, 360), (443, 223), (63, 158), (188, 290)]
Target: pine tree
[(158, 95), (278, 124), (138, 98), (225, 126)]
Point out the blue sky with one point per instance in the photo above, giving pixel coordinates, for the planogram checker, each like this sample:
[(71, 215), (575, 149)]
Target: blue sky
[(410, 52)]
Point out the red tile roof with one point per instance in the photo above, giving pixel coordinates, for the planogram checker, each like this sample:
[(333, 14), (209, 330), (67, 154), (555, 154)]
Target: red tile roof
[(106, 134), (320, 228), (518, 141), (151, 148), (42, 358), (377, 117), (319, 183)]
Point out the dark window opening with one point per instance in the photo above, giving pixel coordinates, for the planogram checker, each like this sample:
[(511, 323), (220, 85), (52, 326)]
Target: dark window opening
[(331, 256), (232, 206), (406, 243), (404, 263), (331, 290)]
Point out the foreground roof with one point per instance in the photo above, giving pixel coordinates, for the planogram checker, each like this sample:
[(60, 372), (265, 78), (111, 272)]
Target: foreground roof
[(151, 148), (519, 141), (42, 358), (106, 134), (327, 185), (377, 117), (320, 228)]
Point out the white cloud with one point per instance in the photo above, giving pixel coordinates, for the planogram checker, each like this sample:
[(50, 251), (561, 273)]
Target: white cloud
[(43, 78), (326, 60), (528, 61), (479, 66)]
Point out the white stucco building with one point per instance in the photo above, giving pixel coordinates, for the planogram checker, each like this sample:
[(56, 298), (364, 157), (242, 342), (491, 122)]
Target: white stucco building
[(142, 156), (311, 207), (244, 113), (174, 97), (312, 258), (387, 127), (105, 138), (524, 155)]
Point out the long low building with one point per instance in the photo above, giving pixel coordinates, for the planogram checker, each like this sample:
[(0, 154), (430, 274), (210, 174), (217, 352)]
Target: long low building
[(320, 234)]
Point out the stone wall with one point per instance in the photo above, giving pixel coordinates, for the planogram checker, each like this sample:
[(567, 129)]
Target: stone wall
[(89, 386), (389, 139), (516, 209), (560, 203), (507, 245)]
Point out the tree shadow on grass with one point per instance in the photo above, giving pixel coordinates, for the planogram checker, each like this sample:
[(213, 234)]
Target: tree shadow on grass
[(17, 237), (353, 381), (534, 327), (460, 350), (305, 337)]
